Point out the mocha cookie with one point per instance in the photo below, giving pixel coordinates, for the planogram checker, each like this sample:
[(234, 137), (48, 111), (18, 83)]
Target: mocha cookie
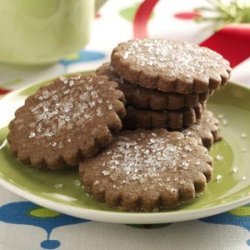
[(147, 170), (206, 131), (153, 99), (170, 66), (173, 120), (66, 121)]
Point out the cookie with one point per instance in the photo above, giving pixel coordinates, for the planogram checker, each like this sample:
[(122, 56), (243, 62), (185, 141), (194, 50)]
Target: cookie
[(173, 120), (206, 131), (170, 66), (66, 121), (147, 170), (153, 99)]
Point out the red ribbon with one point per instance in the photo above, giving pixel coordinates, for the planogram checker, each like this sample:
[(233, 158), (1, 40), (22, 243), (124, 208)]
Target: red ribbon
[(232, 41), (4, 91), (142, 17), (187, 15)]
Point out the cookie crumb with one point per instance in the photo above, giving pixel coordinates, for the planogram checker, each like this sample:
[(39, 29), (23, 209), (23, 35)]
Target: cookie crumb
[(244, 150), (198, 195), (218, 178), (243, 135), (155, 210), (59, 185), (219, 157), (77, 183), (235, 170), (224, 122)]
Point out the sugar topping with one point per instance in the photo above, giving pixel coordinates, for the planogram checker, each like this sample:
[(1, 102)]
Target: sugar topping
[(174, 58), (74, 102), (146, 156)]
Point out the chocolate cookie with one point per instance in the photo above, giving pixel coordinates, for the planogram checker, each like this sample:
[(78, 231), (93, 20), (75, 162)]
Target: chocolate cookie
[(153, 99), (173, 120), (170, 66), (145, 170), (66, 121), (206, 131)]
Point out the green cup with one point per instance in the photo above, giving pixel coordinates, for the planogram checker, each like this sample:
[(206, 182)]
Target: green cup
[(43, 31)]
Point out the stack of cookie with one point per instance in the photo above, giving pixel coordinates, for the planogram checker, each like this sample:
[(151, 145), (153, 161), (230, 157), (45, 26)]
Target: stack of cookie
[(167, 84), (160, 159)]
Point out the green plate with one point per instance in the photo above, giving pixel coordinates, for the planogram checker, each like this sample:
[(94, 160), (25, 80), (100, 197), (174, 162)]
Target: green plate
[(61, 191)]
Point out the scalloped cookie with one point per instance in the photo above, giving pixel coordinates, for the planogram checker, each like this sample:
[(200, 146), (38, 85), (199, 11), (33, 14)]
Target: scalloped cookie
[(170, 66), (147, 170), (66, 121)]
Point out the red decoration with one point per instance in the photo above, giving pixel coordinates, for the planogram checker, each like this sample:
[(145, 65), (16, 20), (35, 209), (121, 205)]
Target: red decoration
[(97, 15), (142, 17), (187, 15), (232, 41), (4, 91)]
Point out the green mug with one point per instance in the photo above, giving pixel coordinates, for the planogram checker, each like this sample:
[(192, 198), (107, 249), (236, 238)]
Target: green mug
[(43, 31)]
